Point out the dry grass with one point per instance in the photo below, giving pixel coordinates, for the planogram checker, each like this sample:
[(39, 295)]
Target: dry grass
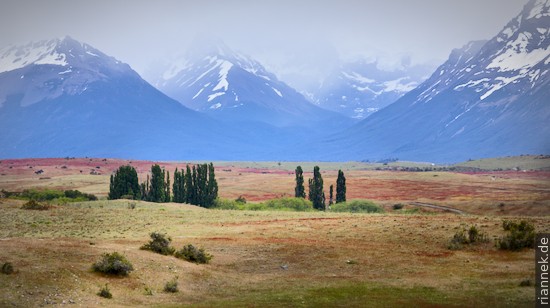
[(260, 258), (271, 258), (522, 193)]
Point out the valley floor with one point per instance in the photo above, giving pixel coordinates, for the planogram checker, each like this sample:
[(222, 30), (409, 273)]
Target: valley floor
[(273, 259), (260, 258)]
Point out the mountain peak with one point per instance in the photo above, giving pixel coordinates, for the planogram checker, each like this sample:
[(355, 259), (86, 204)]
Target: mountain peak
[(208, 46), (62, 51)]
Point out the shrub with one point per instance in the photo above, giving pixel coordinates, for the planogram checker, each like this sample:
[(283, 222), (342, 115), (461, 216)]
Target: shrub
[(113, 264), (7, 268), (525, 283), (357, 206), (75, 194), (148, 291), (224, 204), (521, 235), (290, 204), (34, 205), (159, 243), (398, 206), (105, 292), (42, 195), (171, 286), (192, 254), (463, 237)]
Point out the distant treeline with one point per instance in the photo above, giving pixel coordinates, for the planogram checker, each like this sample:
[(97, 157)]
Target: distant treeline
[(195, 185)]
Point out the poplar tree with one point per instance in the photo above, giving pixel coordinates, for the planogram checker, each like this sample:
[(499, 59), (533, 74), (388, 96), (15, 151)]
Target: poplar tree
[(188, 186), (330, 202), (157, 191), (212, 191), (340, 187), (316, 193), (167, 187), (299, 190)]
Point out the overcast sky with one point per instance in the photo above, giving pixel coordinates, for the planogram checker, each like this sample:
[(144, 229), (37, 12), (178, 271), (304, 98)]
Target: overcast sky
[(279, 33)]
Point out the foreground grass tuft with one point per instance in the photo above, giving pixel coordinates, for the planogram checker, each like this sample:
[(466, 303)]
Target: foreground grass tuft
[(105, 292), (466, 237), (7, 268), (35, 205), (171, 286)]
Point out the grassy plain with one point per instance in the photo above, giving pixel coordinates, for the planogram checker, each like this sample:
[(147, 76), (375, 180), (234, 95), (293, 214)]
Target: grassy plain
[(272, 259)]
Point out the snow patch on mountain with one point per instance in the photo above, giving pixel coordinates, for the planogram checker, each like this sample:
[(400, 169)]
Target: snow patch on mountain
[(540, 9), (213, 96), (16, 57), (224, 66)]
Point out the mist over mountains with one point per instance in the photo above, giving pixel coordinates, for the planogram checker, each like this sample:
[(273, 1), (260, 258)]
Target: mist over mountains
[(62, 97)]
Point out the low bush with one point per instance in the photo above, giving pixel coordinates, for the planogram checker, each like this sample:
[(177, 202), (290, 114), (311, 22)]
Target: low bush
[(75, 194), (171, 286), (105, 292), (281, 204), (224, 204), (289, 204), (398, 206), (54, 195), (7, 268), (160, 243), (521, 235), (35, 205), (113, 264), (241, 199), (466, 237), (525, 283), (41, 195), (192, 254), (357, 206)]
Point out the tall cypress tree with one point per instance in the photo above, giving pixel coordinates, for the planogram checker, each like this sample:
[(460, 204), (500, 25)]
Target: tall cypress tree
[(299, 190), (212, 191), (330, 202), (316, 193), (340, 187), (124, 183), (188, 186), (176, 187), (157, 191), (167, 187)]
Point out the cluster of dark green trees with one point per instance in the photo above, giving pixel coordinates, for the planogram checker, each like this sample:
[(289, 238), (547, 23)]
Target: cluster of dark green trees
[(196, 185), (316, 193)]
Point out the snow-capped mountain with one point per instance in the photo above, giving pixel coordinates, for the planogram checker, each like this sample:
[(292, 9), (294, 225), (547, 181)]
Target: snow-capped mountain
[(65, 98), (48, 69), (357, 89), (490, 98), (212, 78)]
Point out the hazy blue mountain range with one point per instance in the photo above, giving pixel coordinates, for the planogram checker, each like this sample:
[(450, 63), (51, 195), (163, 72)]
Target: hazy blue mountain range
[(358, 89), (213, 79), (65, 98), (490, 98)]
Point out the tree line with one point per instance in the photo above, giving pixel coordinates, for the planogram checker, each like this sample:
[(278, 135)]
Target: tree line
[(316, 192), (195, 185)]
